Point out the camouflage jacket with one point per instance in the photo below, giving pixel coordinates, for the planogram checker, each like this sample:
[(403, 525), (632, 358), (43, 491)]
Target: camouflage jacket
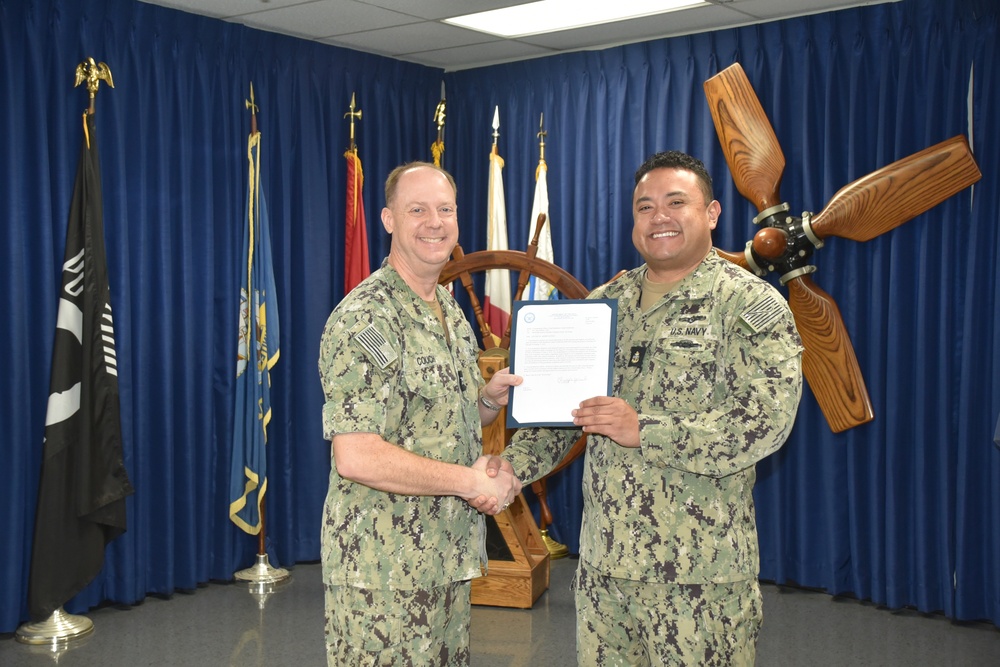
[(713, 370), (386, 368)]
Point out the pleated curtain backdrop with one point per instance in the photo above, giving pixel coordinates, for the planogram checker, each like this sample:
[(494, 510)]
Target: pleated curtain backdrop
[(173, 139), (904, 511)]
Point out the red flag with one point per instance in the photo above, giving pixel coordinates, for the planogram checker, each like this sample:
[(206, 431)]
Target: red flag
[(356, 267)]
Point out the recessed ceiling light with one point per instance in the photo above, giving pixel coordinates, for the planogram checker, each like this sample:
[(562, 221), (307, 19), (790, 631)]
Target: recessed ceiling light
[(536, 18)]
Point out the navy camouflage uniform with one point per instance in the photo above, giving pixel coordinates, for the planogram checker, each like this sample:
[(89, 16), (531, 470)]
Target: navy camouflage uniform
[(713, 371), (388, 559)]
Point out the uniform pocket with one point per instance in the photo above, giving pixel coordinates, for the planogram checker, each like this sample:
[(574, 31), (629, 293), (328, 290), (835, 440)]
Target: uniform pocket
[(429, 379), (685, 374), (373, 632)]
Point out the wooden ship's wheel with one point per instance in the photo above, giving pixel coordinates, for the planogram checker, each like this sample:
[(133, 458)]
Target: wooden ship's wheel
[(519, 572)]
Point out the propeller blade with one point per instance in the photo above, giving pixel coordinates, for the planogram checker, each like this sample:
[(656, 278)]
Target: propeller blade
[(737, 258), (748, 140), (829, 363), (898, 192)]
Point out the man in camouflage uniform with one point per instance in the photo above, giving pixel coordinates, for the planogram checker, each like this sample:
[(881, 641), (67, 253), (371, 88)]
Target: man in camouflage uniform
[(404, 412), (706, 383)]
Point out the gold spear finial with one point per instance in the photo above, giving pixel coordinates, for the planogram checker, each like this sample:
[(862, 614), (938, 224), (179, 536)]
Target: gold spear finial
[(439, 111), (253, 111), (437, 148), (541, 137), (93, 73), (352, 114), (250, 103), (439, 115), (496, 126)]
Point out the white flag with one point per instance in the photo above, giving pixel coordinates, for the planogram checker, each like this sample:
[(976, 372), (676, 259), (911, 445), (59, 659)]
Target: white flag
[(496, 308), (538, 289)]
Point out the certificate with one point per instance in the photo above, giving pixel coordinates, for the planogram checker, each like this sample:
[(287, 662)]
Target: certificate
[(564, 350)]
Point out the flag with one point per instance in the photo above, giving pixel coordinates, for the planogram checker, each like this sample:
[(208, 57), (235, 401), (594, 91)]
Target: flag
[(83, 486), (496, 306), (538, 289), (356, 266), (258, 352)]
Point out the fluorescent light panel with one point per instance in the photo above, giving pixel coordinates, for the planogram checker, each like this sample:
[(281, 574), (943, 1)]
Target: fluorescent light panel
[(536, 18)]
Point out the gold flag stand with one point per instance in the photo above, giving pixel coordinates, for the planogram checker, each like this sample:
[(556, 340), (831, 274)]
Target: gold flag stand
[(57, 631)]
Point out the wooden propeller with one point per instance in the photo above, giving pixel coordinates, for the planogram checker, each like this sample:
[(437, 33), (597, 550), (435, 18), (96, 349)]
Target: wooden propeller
[(860, 211)]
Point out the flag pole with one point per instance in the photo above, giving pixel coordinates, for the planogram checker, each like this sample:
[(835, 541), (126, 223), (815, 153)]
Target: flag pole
[(61, 628), (261, 573), (541, 141)]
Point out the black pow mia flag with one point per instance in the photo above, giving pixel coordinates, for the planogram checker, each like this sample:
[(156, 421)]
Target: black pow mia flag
[(81, 494)]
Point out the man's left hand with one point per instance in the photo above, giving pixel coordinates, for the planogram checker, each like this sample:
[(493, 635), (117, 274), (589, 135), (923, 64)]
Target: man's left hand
[(610, 416)]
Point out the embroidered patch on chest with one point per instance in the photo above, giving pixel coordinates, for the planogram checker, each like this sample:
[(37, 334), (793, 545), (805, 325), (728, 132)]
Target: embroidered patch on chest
[(763, 313), (377, 347)]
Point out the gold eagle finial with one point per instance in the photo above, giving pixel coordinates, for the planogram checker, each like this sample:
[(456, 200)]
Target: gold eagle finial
[(93, 73)]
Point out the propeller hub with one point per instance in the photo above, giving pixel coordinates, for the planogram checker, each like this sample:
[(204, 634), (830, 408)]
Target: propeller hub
[(784, 243), (770, 243)]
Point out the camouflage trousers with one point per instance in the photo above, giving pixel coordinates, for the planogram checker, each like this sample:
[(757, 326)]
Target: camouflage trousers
[(387, 628), (625, 622)]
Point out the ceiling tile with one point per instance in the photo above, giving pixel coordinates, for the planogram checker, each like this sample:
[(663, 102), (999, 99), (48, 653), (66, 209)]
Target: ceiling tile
[(411, 38), (410, 29), (783, 9), (326, 18), (442, 9), (465, 57), (649, 27)]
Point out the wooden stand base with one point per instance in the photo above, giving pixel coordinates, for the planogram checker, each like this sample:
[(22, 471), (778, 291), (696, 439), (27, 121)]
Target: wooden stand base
[(518, 582)]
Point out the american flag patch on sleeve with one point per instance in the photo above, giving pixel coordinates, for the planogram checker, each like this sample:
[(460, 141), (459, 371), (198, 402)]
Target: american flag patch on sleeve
[(763, 312), (377, 347)]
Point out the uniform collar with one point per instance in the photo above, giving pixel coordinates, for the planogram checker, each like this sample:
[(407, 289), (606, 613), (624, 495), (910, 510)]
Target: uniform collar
[(411, 303)]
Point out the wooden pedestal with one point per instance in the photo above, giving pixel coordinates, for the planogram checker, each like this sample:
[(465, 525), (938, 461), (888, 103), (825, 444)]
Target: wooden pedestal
[(520, 581)]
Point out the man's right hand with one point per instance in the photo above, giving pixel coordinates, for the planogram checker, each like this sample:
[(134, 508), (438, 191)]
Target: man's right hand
[(506, 486)]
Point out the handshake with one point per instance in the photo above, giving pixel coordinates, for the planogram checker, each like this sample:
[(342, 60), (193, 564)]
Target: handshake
[(494, 485)]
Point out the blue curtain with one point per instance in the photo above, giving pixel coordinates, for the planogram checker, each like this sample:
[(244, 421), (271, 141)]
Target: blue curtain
[(904, 511), (172, 136)]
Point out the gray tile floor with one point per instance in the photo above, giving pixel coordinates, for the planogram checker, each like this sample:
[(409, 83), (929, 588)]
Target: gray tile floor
[(223, 624)]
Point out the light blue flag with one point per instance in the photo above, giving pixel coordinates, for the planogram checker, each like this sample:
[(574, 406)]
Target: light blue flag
[(258, 352)]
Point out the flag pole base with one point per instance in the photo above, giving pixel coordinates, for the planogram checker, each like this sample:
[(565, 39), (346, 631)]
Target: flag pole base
[(262, 573), (555, 549), (58, 629)]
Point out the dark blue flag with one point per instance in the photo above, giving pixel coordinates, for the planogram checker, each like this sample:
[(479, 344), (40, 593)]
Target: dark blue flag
[(258, 352)]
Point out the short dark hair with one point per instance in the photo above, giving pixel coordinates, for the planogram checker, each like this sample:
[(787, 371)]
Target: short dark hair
[(392, 180), (678, 160)]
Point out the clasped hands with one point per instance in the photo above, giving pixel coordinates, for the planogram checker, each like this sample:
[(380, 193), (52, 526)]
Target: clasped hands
[(497, 486)]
